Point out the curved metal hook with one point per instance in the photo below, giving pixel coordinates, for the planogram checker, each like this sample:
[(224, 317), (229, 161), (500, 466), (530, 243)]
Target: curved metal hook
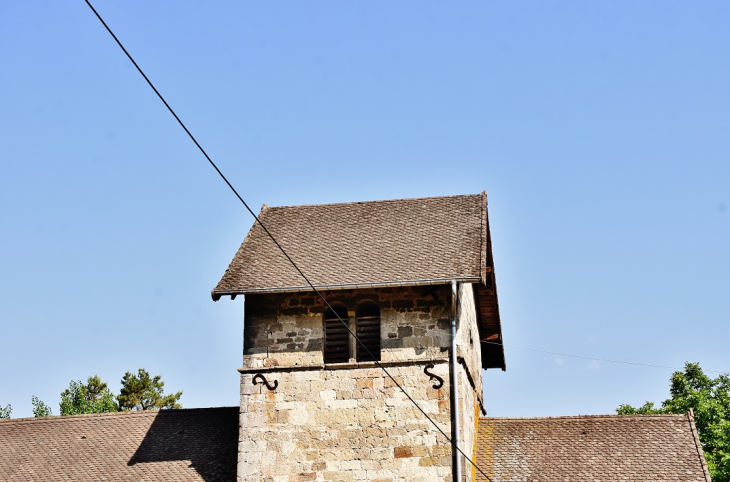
[(260, 376), (440, 382)]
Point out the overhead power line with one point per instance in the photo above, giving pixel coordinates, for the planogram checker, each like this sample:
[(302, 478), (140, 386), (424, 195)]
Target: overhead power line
[(309, 283), (593, 358)]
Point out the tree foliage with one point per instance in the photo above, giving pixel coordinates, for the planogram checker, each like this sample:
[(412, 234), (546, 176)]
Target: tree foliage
[(93, 397), (141, 392), (5, 412), (40, 409), (710, 400)]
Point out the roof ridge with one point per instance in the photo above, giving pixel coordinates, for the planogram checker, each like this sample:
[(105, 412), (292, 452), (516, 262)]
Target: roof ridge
[(376, 201), (581, 417), (124, 413)]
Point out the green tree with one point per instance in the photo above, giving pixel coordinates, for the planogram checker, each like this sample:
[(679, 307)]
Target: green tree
[(5, 412), (710, 400), (94, 397), (141, 392), (40, 409)]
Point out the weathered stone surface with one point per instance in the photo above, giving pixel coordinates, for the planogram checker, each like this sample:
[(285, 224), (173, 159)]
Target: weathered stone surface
[(331, 425), (467, 340), (288, 327), (350, 422)]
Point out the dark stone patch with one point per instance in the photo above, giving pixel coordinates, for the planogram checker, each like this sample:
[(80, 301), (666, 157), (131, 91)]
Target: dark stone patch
[(260, 311), (391, 343), (402, 304), (443, 324), (404, 331), (294, 311), (315, 344), (291, 333), (284, 340)]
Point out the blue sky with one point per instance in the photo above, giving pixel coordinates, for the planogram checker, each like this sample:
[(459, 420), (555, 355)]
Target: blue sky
[(600, 131)]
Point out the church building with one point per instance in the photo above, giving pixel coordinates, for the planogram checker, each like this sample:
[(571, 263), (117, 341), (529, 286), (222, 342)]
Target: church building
[(366, 327)]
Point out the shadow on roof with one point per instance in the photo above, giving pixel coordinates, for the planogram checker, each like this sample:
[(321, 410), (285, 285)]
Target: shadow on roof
[(207, 438)]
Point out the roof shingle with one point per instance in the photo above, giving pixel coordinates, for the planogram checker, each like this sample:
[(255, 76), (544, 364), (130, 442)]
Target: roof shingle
[(180, 445), (597, 448), (377, 242)]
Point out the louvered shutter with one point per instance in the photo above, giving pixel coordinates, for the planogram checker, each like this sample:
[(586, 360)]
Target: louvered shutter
[(368, 331), (336, 337)]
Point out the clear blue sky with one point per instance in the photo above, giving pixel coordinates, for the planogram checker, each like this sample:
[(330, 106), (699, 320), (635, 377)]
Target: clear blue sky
[(601, 131)]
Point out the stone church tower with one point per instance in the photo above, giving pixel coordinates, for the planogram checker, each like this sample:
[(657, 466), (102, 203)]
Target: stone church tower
[(315, 403)]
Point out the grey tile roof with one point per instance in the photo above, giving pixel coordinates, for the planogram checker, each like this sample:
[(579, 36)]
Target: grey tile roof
[(377, 242), (169, 445), (597, 448)]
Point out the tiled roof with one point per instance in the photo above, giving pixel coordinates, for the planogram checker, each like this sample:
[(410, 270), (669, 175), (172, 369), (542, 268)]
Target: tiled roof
[(597, 448), (169, 445), (378, 242)]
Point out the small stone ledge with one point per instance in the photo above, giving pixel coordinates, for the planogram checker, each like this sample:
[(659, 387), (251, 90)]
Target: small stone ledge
[(341, 366)]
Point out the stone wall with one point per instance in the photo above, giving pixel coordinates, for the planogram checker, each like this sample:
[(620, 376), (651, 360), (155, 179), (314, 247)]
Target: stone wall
[(349, 421), (344, 425), (286, 329)]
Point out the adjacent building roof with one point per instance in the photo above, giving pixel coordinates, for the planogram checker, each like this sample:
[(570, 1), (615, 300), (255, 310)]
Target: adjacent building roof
[(180, 445), (597, 448), (401, 242)]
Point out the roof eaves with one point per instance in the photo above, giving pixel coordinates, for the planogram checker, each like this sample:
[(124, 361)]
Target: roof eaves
[(217, 294)]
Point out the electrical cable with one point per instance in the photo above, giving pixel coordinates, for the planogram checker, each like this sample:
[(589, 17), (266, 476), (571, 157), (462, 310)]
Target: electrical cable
[(309, 283), (592, 357)]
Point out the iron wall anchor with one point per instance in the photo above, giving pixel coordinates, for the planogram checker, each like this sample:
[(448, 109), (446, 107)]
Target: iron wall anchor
[(260, 376), (440, 381)]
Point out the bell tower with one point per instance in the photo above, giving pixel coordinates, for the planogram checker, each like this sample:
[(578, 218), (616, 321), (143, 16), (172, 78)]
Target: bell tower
[(410, 291)]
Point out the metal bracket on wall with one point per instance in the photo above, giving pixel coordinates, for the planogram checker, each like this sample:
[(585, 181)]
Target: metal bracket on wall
[(260, 376), (440, 381)]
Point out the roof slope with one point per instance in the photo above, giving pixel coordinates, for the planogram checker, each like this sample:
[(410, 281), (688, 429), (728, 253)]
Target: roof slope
[(378, 242), (597, 448), (180, 445)]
